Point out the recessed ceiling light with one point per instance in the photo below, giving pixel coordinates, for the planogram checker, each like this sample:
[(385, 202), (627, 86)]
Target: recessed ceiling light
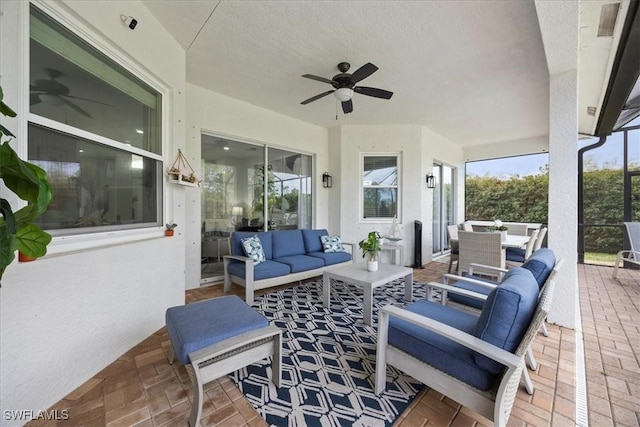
[(80, 151), (226, 148), (139, 131)]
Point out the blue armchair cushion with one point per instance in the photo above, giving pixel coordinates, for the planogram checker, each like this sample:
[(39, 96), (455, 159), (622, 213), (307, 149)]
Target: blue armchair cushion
[(287, 243), (540, 264), (265, 270), (436, 350), (253, 249), (195, 326), (312, 241), (330, 258), (265, 237), (332, 244), (506, 314)]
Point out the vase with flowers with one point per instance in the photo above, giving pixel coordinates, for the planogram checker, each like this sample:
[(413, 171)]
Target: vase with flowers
[(498, 227)]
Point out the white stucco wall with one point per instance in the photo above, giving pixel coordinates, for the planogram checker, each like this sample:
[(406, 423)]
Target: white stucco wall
[(212, 112), (66, 316), (418, 147)]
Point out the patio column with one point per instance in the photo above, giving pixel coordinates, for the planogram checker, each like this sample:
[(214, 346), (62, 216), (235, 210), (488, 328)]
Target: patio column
[(559, 25)]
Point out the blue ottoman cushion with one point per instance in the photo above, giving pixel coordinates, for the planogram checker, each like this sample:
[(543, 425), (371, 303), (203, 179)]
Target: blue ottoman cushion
[(195, 326), (515, 254)]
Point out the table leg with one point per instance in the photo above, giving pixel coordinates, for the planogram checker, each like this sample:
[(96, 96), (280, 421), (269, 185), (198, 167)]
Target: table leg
[(368, 303), (408, 287), (326, 289)]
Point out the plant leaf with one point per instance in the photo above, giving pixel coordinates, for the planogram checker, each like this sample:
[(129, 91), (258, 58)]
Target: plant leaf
[(8, 215), (32, 240)]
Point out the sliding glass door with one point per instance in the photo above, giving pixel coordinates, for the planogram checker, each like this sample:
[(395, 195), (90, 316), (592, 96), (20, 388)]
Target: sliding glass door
[(443, 207), (237, 197)]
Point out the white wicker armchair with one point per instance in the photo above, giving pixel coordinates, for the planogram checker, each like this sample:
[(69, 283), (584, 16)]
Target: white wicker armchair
[(495, 403), (480, 248)]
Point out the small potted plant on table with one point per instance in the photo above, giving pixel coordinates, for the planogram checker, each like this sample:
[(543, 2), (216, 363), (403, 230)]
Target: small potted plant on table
[(169, 229), (498, 227), (371, 246)]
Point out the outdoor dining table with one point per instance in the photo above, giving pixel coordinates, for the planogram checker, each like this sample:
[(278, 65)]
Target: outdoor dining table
[(510, 241)]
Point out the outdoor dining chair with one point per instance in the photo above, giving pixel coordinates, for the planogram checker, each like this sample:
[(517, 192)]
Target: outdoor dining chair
[(517, 229), (480, 248), (515, 257), (633, 254), (452, 230), (540, 239)]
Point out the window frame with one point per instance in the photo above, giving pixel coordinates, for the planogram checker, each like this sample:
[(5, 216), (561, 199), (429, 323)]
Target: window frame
[(94, 237), (398, 186)]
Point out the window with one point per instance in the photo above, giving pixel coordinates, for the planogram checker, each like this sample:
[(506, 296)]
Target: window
[(380, 186), (95, 128)]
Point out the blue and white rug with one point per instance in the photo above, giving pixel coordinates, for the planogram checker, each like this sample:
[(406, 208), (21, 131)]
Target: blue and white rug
[(328, 360)]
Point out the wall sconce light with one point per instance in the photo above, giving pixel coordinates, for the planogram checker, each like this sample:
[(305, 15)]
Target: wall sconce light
[(431, 181), (326, 180)]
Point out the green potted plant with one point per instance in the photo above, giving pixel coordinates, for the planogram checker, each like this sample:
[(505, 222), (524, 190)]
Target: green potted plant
[(29, 183), (371, 246), (169, 229)]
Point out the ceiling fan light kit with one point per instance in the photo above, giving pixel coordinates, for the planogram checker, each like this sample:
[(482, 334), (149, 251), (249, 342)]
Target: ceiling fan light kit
[(344, 85)]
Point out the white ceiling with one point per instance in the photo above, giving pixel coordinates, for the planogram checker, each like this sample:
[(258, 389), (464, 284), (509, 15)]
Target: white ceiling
[(473, 71)]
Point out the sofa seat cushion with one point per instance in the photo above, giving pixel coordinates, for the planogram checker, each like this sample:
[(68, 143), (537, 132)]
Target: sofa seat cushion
[(299, 263), (507, 313), (436, 350), (266, 239), (287, 243), (265, 270), (195, 326), (331, 258), (540, 264), (312, 241)]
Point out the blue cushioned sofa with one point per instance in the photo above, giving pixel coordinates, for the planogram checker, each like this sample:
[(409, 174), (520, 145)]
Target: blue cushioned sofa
[(291, 255)]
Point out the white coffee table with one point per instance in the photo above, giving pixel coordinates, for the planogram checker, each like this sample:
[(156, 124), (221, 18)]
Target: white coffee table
[(357, 274)]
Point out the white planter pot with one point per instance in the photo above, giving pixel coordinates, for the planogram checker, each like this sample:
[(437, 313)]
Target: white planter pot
[(372, 265)]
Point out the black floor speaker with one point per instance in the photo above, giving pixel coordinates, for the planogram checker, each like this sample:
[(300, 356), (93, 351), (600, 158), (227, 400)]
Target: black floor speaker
[(417, 249)]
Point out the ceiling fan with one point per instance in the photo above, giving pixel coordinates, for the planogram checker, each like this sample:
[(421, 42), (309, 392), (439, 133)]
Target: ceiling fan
[(57, 93), (345, 85)]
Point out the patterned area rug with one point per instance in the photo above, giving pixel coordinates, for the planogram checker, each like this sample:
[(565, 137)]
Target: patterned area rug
[(328, 360)]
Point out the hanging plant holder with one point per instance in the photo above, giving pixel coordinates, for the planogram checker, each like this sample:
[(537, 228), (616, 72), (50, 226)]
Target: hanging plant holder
[(182, 173)]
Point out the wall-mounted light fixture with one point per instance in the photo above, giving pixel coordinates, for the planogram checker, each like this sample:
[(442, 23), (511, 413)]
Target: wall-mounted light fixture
[(431, 181), (326, 180)]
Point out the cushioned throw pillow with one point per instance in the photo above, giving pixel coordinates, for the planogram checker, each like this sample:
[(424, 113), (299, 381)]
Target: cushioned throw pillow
[(332, 244), (253, 248)]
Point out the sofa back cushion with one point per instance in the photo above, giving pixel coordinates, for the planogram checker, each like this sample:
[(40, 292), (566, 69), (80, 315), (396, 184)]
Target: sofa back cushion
[(506, 314), (287, 243), (312, 241), (540, 264), (265, 240)]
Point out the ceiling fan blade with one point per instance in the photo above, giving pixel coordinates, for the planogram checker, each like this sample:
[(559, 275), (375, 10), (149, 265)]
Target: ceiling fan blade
[(363, 72), (347, 106), (34, 99), (76, 108), (89, 100), (372, 91), (313, 98), (320, 79)]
